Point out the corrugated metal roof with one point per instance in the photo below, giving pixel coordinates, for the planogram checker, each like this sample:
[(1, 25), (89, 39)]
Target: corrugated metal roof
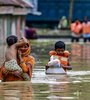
[(20, 3)]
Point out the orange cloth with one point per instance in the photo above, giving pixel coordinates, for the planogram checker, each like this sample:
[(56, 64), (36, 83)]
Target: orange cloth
[(86, 27), (1, 73), (28, 61), (27, 67), (76, 28), (63, 57), (28, 64), (25, 50), (5, 76)]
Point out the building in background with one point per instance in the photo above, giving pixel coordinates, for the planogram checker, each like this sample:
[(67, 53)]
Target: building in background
[(53, 10), (12, 17)]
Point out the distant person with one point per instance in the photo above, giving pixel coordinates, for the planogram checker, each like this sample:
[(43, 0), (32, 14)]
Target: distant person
[(59, 57), (63, 23), (86, 30), (30, 33), (76, 30)]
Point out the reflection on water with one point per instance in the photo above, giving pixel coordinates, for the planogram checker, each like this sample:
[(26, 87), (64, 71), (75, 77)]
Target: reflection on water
[(73, 86), (51, 86), (16, 91), (81, 51), (80, 56)]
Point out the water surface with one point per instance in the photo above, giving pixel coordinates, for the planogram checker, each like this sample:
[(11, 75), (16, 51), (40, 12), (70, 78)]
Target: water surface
[(75, 85)]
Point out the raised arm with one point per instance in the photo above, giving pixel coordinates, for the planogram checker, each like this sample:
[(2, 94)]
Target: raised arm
[(21, 42)]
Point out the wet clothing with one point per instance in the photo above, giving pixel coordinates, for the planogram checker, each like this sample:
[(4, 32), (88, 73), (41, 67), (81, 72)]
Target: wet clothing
[(76, 30), (26, 77), (12, 65), (63, 58), (86, 31), (26, 66)]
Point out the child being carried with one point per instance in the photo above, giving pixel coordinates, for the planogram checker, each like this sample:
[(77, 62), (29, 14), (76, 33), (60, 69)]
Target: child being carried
[(11, 55)]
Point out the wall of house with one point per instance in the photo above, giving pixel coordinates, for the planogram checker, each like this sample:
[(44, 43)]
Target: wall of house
[(53, 10), (11, 25)]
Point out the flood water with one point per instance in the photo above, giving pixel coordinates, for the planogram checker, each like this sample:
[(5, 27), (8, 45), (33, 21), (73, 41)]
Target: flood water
[(73, 86)]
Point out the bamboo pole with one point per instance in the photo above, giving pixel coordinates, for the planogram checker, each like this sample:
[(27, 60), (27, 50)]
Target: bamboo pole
[(71, 11)]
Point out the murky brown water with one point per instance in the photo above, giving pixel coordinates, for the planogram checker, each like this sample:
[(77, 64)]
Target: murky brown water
[(73, 86)]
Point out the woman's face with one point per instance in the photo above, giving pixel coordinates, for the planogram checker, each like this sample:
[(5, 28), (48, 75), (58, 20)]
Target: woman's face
[(25, 46)]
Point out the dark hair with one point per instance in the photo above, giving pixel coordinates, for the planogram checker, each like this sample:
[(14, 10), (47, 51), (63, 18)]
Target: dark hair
[(11, 40), (60, 45)]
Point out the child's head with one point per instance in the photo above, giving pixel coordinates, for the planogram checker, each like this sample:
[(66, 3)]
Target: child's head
[(59, 47), (11, 40)]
